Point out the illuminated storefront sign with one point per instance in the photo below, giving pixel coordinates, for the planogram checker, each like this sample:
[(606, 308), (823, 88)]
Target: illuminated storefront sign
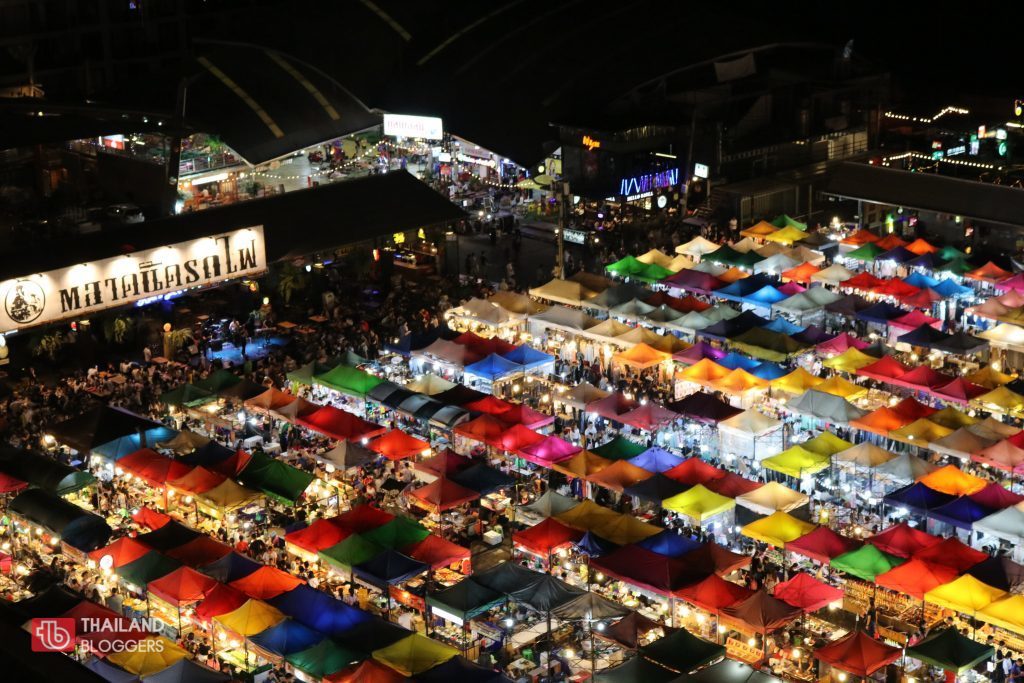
[(954, 151), (88, 288), (590, 143), (467, 159), (575, 236), (402, 126), (700, 170), (644, 185)]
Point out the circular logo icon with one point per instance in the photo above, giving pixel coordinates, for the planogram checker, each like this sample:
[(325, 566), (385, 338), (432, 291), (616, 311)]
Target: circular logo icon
[(24, 301)]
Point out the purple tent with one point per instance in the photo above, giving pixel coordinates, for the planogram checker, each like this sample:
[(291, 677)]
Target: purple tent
[(699, 352), (656, 459), (961, 513), (694, 281), (918, 497)]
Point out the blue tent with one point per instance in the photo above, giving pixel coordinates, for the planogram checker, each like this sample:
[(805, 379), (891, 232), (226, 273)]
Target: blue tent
[(961, 513), (669, 544), (462, 670), (125, 445), (230, 567), (920, 280), (109, 672), (725, 329), (929, 262), (493, 367), (319, 611), (924, 335), (207, 455), (734, 360), (948, 288), (483, 479), (739, 290), (899, 255), (918, 498), (783, 326), (287, 637), (769, 371), (187, 671), (388, 568), (812, 335), (528, 357), (881, 313), (408, 343), (766, 296), (593, 545), (656, 459)]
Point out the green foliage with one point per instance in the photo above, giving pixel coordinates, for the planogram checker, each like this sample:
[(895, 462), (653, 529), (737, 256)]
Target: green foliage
[(48, 345), (290, 280), (175, 339)]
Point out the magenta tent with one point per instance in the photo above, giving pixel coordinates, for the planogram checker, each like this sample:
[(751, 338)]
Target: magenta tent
[(841, 343), (550, 450), (648, 417)]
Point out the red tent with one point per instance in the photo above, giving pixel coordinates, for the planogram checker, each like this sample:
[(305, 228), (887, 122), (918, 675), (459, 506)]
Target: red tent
[(442, 494), (807, 593), (885, 369), (489, 405), (648, 416), (436, 552), (526, 416), (485, 428), (822, 545), (911, 409), (922, 377), (550, 450), (861, 237), (858, 653), (232, 465), (645, 569), (369, 671), (732, 485), (397, 445), (712, 558), (903, 541), (9, 484), (516, 438), (890, 242), (546, 537), (361, 518), (153, 468), (322, 533), (693, 471), (840, 343), (443, 464), (953, 554), (149, 518), (761, 612), (960, 390), (478, 347), (199, 480), (863, 281), (996, 497), (714, 593), (913, 320), (989, 272), (924, 298), (266, 582), (221, 600), (916, 577), (122, 551), (199, 551), (612, 406), (340, 424), (686, 304), (182, 586)]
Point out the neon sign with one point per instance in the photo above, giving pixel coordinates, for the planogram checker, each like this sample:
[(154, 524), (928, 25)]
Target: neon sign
[(590, 143), (648, 182)]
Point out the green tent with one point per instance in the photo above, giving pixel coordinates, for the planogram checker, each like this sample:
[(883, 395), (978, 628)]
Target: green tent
[(766, 344), (653, 273), (306, 373), (634, 670), (397, 533), (957, 266), (218, 381), (324, 659), (352, 551), (724, 254), (619, 448), (868, 252), (948, 253), (682, 651), (188, 395), (466, 599), (950, 650), (785, 221), (149, 567), (866, 562), (348, 380), (277, 479), (627, 267), (747, 259)]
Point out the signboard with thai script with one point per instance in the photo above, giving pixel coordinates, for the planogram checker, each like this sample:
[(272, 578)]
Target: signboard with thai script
[(648, 182), (404, 126), (88, 288)]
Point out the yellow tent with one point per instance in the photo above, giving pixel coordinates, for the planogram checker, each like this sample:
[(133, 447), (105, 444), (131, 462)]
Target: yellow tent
[(587, 515), (657, 257), (965, 594), (866, 455), (642, 356), (254, 616), (954, 481), (739, 381), (796, 462), (415, 654), (1007, 612), (920, 432), (849, 361), (1001, 400), (762, 230), (989, 377), (698, 503), (827, 444), (777, 529), (625, 529), (772, 497), (732, 275), (153, 654), (952, 418), (837, 386), (228, 495), (704, 372), (796, 382), (582, 465), (787, 235), (563, 292), (680, 263)]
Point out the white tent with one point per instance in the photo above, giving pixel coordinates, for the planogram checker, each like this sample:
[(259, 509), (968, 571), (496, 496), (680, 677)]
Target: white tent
[(802, 254), (961, 443), (745, 245), (1006, 524), (517, 304), (832, 275), (656, 256), (710, 267), (827, 407), (697, 247), (563, 318), (743, 434), (772, 497), (1005, 336), (563, 292), (481, 311), (773, 265)]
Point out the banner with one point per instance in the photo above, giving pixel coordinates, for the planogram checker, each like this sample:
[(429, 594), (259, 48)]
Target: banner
[(88, 288)]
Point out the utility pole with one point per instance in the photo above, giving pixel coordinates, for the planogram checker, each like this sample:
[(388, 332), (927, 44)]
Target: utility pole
[(688, 169), (564, 202)]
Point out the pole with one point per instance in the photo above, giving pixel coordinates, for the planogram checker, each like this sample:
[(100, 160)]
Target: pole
[(688, 170), (563, 223)]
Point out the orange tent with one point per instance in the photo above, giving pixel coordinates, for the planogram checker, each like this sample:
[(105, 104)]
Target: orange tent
[(801, 273), (583, 464), (861, 237), (619, 475), (920, 247), (880, 421), (271, 399), (397, 445), (182, 586), (369, 671), (485, 428), (738, 381), (890, 242), (122, 551), (732, 275), (705, 371), (266, 582), (761, 229), (642, 356), (989, 272), (442, 494), (954, 481)]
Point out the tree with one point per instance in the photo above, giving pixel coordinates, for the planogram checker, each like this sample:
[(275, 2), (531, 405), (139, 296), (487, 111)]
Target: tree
[(291, 280)]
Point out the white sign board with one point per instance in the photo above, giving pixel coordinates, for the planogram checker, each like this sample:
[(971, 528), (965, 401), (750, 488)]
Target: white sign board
[(88, 288), (402, 126), (700, 170), (575, 236)]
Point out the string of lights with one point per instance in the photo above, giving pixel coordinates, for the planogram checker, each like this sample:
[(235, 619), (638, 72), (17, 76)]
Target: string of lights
[(927, 119), (887, 161)]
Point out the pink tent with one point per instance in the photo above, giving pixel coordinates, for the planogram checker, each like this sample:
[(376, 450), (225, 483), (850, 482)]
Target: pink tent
[(841, 343), (914, 319), (548, 451), (648, 417)]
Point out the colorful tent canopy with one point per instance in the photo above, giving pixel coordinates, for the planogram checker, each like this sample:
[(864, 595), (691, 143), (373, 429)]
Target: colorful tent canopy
[(694, 471), (918, 497), (849, 361), (321, 612), (640, 567), (823, 545), (797, 462), (182, 586), (339, 424), (274, 478), (950, 650), (397, 445), (546, 537), (682, 651), (619, 475), (348, 380), (154, 654), (954, 481), (777, 529), (772, 497), (324, 658), (916, 577), (388, 568), (549, 450), (266, 582), (285, 638), (414, 655), (714, 593), (442, 494), (902, 540), (807, 593), (866, 562), (950, 552), (865, 454), (254, 616), (698, 503), (858, 654), (761, 612), (966, 594)]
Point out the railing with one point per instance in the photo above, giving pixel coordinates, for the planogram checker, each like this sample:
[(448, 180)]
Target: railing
[(206, 162)]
